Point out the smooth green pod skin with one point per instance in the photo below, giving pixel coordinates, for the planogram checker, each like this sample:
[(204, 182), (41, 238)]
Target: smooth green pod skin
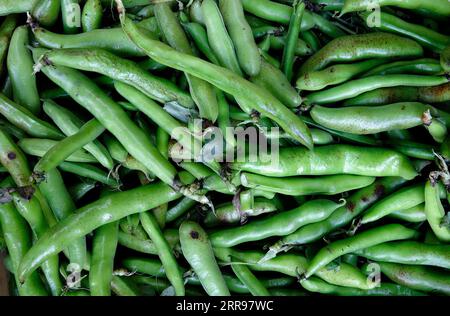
[(311, 40), (325, 185), (241, 35), (421, 34), (104, 246), (70, 16), (287, 60), (22, 118), (247, 277), (352, 48), (384, 96), (40, 146), (421, 278), (364, 120), (101, 212), (276, 12), (62, 205), (316, 285), (90, 172), (105, 63), (274, 80), (123, 287), (318, 80), (113, 40), (20, 70), (409, 252), (6, 30), (440, 7), (445, 59), (91, 17), (228, 214), (218, 37), (66, 147), (150, 266), (31, 210), (225, 80), (197, 250), (8, 7), (80, 189), (423, 66), (280, 224), (301, 48), (198, 34), (202, 92), (184, 205), (160, 117), (147, 246), (329, 5), (12, 130), (46, 12), (112, 117), (356, 204), (293, 265), (18, 240), (164, 252), (70, 124), (357, 87), (415, 214), (435, 212), (333, 159), (359, 241)]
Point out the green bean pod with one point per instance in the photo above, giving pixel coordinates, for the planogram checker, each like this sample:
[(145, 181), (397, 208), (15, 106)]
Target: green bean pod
[(6, 30), (90, 172), (198, 252), (18, 241), (114, 119), (357, 87), (70, 124), (71, 16), (435, 211), (39, 147), (240, 88), (325, 185), (228, 214), (62, 205), (123, 287), (202, 92), (421, 34), (415, 214), (247, 277), (332, 159), (218, 36), (440, 7), (287, 61), (318, 80), (276, 12), (104, 247), (164, 252), (409, 252), (420, 278), (301, 48), (241, 35), (20, 70), (113, 40), (91, 17), (147, 246), (105, 63), (198, 34), (358, 47), (25, 120), (423, 66), (361, 240), (16, 6), (58, 153), (316, 285), (274, 80), (363, 120), (281, 224), (103, 211), (46, 12)]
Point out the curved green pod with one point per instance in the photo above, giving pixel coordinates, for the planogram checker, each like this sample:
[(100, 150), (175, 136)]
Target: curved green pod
[(441, 7), (351, 48)]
